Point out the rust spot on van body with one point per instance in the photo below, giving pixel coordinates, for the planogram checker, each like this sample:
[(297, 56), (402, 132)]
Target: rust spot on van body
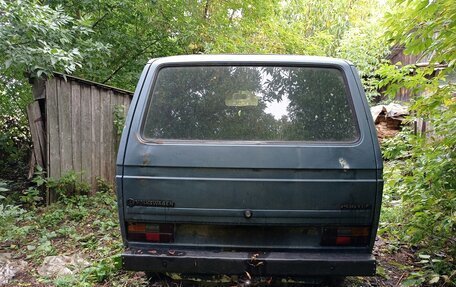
[(146, 159)]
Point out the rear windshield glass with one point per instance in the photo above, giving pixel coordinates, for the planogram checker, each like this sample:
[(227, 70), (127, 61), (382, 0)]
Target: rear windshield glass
[(250, 103)]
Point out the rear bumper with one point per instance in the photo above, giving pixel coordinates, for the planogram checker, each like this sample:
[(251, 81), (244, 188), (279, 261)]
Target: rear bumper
[(257, 264)]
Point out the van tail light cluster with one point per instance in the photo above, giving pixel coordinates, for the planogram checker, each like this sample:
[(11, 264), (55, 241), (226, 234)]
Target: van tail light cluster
[(345, 236), (150, 232)]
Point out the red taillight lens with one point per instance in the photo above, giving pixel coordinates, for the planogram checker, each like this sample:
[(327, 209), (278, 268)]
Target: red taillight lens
[(343, 240), (153, 237), (162, 233), (345, 236)]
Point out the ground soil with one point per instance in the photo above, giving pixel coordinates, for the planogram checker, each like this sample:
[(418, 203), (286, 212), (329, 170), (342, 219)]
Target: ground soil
[(393, 267), (394, 264)]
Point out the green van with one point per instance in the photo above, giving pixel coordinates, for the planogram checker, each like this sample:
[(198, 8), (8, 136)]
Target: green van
[(247, 164)]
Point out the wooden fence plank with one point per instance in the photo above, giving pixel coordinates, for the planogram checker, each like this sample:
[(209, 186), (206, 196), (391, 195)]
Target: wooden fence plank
[(112, 149), (86, 132), (52, 133), (105, 136), (64, 109), (126, 104), (109, 145), (113, 143), (76, 127), (96, 127), (114, 136), (119, 101)]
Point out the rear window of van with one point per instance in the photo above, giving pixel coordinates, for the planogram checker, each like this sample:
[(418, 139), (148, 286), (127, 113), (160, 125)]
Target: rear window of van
[(250, 103)]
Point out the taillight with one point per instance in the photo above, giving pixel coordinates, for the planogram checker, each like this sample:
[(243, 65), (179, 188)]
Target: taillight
[(150, 232), (345, 236)]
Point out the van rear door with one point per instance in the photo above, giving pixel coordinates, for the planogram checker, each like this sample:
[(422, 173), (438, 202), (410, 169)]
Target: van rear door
[(250, 154)]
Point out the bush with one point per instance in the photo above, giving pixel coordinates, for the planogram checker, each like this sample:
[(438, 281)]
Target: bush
[(15, 146), (424, 181), (420, 180), (68, 186)]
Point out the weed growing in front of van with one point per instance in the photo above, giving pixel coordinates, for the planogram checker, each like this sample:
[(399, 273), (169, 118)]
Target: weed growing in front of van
[(78, 224), (419, 203)]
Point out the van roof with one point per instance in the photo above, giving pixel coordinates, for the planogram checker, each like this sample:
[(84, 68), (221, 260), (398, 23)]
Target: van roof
[(237, 58)]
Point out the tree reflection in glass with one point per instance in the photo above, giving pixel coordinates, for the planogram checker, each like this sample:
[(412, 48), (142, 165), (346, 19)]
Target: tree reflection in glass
[(250, 103)]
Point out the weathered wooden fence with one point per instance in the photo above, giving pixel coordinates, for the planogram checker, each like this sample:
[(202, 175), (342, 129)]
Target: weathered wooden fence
[(396, 56), (79, 133)]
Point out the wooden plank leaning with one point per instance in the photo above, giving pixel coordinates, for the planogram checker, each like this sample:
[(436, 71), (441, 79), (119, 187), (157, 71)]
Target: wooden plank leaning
[(37, 131)]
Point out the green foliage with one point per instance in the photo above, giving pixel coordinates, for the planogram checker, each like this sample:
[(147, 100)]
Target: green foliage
[(424, 183), (42, 247), (35, 41), (74, 36), (408, 218), (424, 27), (366, 47), (103, 185), (3, 188), (68, 186), (8, 212), (397, 147), (139, 30), (102, 269), (8, 215), (119, 118), (69, 189), (135, 31), (14, 95), (80, 225), (309, 27), (433, 265), (31, 196), (38, 40), (67, 280), (14, 146), (288, 27), (34, 195)]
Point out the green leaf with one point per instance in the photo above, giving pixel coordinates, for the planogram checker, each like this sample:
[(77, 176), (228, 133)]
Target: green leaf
[(434, 279), (8, 63)]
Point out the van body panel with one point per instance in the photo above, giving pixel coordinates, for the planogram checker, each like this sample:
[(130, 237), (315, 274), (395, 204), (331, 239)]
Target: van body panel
[(215, 188), (378, 157)]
